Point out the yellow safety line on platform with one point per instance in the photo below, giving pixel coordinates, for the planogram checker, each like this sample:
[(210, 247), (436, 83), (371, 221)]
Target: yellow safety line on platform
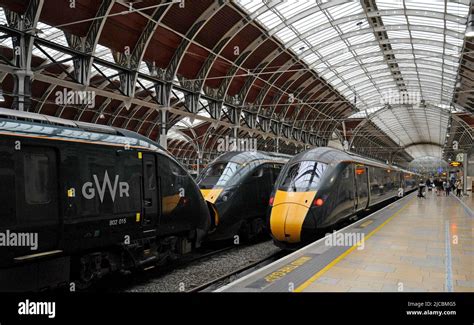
[(347, 252)]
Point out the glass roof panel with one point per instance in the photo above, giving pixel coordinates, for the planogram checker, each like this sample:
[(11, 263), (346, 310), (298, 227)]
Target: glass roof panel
[(425, 39)]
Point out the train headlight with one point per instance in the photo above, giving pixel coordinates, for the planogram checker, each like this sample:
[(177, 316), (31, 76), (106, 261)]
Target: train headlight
[(318, 202)]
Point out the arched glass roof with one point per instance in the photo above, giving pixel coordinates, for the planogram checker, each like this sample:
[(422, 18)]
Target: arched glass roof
[(379, 53)]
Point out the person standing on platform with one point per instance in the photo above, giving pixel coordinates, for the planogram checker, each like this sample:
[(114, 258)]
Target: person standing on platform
[(458, 186), (448, 187)]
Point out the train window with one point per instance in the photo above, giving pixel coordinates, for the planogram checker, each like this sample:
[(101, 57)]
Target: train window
[(303, 176), (258, 172), (36, 172), (150, 172), (176, 169), (219, 174)]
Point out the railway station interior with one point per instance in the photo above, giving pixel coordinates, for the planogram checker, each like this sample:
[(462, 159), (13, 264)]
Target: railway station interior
[(340, 133)]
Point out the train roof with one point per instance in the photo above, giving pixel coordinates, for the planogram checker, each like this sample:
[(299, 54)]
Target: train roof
[(334, 156), (242, 157), (52, 127)]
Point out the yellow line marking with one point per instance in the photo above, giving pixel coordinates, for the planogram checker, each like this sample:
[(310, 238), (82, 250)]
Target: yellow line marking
[(365, 224), (347, 252)]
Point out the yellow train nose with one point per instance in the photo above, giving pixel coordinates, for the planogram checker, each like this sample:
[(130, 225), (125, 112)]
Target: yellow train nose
[(288, 214), (211, 195)]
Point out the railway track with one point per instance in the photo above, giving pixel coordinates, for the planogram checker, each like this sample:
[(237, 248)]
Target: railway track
[(234, 275)]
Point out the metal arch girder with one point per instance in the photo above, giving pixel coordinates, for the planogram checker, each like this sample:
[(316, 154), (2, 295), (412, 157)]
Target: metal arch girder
[(139, 50), (88, 44), (180, 52), (24, 41), (309, 93), (95, 30), (223, 42), (134, 60), (106, 93), (225, 85), (467, 128), (244, 92)]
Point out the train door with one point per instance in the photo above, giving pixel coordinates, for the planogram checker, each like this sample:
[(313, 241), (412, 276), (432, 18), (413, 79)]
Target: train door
[(264, 176), (150, 191), (362, 187), (37, 198)]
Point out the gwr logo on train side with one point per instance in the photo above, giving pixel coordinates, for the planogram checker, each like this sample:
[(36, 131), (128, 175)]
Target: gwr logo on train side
[(90, 189)]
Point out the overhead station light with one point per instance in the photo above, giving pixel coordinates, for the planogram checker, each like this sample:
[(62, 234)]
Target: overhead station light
[(470, 26)]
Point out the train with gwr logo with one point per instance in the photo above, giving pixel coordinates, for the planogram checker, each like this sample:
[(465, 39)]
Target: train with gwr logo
[(87, 200)]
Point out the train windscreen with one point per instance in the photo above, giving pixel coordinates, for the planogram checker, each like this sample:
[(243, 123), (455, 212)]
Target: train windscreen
[(303, 177), (218, 175)]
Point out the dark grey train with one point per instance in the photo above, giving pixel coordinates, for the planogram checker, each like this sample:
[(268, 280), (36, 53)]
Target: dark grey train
[(92, 199), (321, 187), (237, 187)]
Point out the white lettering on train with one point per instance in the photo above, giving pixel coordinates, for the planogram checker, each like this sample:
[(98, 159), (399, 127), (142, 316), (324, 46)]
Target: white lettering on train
[(90, 189)]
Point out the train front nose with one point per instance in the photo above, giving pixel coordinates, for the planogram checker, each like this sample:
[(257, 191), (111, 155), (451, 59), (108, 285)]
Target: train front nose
[(291, 215)]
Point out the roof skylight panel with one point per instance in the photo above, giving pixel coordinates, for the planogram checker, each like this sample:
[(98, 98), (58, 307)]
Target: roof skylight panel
[(455, 26), (425, 35), (286, 35), (322, 36), (333, 49), (359, 39), (436, 5), (426, 21), (372, 59), (290, 8), (342, 69), (394, 20), (311, 58), (389, 4), (427, 47), (398, 34), (346, 9), (369, 48), (454, 41), (269, 19), (309, 22), (250, 5), (299, 47), (351, 26), (376, 67), (340, 60)]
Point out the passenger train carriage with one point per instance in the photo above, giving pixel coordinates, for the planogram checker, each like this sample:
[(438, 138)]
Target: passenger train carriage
[(321, 187), (237, 186), (99, 199)]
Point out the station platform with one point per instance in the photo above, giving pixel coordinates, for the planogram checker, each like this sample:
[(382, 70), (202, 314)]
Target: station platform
[(411, 245)]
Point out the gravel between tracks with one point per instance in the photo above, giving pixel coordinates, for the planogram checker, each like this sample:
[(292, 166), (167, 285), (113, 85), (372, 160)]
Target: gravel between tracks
[(202, 271)]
